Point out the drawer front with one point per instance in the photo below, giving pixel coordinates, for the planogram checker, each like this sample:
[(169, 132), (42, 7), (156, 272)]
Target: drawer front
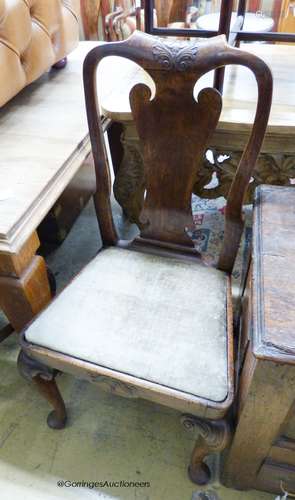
[(283, 452), (276, 477), (278, 471)]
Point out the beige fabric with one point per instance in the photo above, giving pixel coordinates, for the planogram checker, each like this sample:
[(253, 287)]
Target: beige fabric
[(34, 34), (159, 319)]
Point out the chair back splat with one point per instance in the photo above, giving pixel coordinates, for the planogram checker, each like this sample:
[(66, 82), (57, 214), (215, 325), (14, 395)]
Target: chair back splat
[(174, 131)]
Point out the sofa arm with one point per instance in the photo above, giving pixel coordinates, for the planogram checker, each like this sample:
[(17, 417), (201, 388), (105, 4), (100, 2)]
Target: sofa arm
[(34, 35)]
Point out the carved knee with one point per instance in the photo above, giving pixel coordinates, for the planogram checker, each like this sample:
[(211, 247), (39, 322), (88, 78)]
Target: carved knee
[(214, 436)]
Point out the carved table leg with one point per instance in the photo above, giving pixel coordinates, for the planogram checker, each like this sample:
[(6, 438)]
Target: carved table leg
[(276, 169), (24, 285), (271, 168), (214, 436), (129, 185), (44, 378)]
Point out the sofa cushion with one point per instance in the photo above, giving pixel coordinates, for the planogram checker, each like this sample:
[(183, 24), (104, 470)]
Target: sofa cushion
[(155, 318)]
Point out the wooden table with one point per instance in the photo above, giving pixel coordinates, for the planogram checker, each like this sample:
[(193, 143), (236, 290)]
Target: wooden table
[(253, 22), (44, 141), (262, 453), (276, 164)]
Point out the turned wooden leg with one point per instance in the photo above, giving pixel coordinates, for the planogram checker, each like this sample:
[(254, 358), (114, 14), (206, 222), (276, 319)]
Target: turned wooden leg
[(24, 285), (214, 436), (44, 379)]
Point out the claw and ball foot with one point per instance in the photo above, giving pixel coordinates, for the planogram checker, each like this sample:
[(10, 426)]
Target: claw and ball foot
[(214, 436), (44, 379)]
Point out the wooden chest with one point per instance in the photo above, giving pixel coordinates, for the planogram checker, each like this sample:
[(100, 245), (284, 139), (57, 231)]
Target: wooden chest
[(262, 454)]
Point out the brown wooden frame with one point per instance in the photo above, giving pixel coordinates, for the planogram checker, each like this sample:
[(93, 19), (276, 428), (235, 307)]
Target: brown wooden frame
[(262, 452), (171, 117), (216, 53)]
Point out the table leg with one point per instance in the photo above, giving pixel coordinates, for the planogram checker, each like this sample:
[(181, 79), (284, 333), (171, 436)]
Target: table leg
[(275, 169), (24, 286), (129, 184)]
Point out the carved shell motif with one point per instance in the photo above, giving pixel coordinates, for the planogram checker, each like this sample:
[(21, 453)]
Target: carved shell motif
[(177, 55)]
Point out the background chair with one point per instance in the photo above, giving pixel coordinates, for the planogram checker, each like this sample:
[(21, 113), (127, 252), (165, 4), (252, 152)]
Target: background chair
[(120, 18), (146, 318)]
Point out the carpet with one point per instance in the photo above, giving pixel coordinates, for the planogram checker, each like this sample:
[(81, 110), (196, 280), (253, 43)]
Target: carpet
[(207, 232)]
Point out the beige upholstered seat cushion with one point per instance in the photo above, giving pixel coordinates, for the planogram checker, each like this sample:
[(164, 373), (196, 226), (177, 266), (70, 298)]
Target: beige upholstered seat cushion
[(155, 318)]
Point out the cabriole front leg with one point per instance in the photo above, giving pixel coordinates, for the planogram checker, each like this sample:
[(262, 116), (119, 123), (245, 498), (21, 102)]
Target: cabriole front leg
[(44, 379), (214, 436)]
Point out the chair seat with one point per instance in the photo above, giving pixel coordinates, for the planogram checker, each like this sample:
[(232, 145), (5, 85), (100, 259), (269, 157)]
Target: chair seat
[(155, 318)]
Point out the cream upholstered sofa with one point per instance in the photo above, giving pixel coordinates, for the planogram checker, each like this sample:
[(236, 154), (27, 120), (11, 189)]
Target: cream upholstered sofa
[(34, 35)]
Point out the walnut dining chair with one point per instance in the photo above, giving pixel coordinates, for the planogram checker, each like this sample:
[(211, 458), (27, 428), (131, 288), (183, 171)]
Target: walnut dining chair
[(146, 318)]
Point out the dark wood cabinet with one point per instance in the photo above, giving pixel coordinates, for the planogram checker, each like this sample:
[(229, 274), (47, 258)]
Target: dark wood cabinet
[(262, 454)]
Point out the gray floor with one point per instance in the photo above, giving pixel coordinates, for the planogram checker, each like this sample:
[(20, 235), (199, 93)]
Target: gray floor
[(108, 438)]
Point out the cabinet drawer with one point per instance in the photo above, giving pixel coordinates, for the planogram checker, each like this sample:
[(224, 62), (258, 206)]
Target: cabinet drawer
[(273, 476), (283, 451), (279, 467)]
